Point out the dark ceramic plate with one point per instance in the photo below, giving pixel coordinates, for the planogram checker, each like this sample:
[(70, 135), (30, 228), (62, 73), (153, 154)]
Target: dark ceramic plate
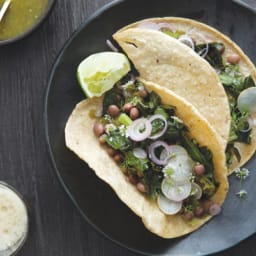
[(34, 27), (113, 218)]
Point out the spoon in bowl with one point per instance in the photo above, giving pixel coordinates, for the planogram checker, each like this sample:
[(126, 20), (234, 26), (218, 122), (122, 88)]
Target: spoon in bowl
[(4, 8)]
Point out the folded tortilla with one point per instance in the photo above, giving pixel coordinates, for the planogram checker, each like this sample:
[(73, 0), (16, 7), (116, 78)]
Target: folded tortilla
[(208, 98), (81, 139), (167, 62)]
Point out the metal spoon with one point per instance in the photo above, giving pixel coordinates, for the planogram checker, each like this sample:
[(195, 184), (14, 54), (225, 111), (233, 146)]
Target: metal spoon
[(4, 8)]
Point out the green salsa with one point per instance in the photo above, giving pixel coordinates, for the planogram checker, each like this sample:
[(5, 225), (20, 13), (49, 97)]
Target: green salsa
[(20, 17)]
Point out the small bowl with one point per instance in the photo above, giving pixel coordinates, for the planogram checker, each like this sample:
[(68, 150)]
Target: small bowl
[(15, 248), (31, 29)]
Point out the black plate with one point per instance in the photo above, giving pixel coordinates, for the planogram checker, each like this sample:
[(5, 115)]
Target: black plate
[(113, 218)]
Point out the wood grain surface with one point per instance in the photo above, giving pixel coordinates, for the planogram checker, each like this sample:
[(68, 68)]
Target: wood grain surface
[(56, 227)]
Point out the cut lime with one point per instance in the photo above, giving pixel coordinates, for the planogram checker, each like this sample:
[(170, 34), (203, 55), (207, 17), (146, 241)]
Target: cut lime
[(99, 72)]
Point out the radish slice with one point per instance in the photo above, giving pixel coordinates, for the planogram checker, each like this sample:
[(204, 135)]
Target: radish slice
[(174, 150), (167, 206), (139, 153), (175, 192), (179, 168), (111, 46), (246, 101), (139, 129), (177, 150), (196, 191)]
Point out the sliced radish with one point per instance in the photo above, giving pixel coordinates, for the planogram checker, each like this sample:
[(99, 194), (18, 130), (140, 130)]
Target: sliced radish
[(175, 192), (179, 168), (246, 101), (196, 191), (139, 153), (167, 206), (177, 150)]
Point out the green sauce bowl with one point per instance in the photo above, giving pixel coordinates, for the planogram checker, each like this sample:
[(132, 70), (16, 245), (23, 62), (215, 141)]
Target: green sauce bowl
[(22, 18)]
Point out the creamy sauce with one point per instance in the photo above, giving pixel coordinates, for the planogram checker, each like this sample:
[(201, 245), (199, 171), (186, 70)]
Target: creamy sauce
[(13, 219), (20, 17)]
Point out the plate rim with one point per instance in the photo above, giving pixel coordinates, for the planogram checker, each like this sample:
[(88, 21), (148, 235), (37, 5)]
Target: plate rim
[(55, 64)]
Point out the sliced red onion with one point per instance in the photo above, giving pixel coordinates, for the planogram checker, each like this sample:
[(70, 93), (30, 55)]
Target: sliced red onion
[(187, 40), (167, 206), (139, 130), (111, 46), (175, 192), (139, 153), (196, 191), (214, 209), (204, 51), (162, 118), (152, 155), (250, 121)]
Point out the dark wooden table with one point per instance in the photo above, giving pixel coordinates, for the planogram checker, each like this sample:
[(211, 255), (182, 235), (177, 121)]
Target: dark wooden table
[(56, 227)]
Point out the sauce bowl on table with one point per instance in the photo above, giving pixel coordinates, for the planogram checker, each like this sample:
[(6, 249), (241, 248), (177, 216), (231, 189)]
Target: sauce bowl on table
[(21, 18)]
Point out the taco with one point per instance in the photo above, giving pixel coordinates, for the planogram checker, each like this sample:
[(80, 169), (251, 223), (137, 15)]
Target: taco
[(156, 151), (235, 70)]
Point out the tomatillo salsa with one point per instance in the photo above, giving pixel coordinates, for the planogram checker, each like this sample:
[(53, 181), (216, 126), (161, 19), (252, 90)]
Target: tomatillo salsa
[(20, 17)]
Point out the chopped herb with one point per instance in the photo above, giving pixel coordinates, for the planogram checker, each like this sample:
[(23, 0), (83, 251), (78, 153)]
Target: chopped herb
[(208, 187), (111, 97), (242, 173), (118, 140), (199, 154), (242, 194), (135, 165), (153, 178)]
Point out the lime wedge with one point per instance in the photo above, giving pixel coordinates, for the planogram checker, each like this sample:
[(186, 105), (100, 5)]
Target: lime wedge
[(99, 72)]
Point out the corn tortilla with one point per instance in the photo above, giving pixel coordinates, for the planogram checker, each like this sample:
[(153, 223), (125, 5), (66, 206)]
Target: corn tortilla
[(201, 32), (167, 62), (81, 139)]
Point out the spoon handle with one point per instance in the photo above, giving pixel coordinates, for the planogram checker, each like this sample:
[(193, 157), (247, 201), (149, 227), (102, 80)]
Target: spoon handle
[(4, 9), (250, 4)]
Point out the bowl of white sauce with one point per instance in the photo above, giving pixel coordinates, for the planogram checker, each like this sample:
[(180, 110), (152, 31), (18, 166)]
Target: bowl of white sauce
[(13, 220)]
